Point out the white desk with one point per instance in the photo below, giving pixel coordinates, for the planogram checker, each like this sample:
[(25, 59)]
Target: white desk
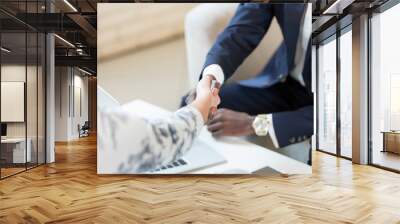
[(244, 157), (18, 150), (241, 155)]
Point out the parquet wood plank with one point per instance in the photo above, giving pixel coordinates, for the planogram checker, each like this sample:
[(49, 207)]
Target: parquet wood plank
[(70, 191)]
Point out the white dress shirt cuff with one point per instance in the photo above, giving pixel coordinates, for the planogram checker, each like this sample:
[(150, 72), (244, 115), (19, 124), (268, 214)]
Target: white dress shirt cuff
[(271, 131), (216, 71)]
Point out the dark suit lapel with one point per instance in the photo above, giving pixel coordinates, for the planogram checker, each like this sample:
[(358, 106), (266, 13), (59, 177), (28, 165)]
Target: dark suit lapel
[(289, 17), (307, 67)]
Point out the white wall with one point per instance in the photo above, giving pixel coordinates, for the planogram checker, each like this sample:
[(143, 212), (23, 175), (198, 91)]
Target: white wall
[(61, 103), (12, 73), (79, 117), (34, 125), (144, 57), (157, 75), (67, 115)]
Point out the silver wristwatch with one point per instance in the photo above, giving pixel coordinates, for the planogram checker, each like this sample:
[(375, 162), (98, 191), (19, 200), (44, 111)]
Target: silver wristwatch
[(261, 124)]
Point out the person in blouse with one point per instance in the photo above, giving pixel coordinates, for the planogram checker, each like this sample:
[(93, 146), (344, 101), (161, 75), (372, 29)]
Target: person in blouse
[(137, 144)]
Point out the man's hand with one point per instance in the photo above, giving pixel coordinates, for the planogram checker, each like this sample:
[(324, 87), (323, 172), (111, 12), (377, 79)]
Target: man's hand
[(206, 98), (227, 122), (191, 96)]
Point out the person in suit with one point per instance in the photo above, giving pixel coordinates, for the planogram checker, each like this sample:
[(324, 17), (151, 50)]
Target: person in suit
[(278, 101)]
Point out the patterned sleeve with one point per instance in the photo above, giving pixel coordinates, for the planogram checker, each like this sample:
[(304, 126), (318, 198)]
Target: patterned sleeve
[(144, 144)]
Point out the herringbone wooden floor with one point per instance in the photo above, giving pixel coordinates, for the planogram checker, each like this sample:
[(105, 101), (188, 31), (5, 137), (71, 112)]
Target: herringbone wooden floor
[(70, 191)]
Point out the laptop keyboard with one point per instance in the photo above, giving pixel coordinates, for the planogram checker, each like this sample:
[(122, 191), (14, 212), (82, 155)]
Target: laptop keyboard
[(177, 163)]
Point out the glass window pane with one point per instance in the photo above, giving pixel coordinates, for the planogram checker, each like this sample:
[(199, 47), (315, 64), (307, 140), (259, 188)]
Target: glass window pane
[(32, 95), (346, 94), (41, 98), (14, 153), (22, 88), (327, 97), (31, 88), (385, 84)]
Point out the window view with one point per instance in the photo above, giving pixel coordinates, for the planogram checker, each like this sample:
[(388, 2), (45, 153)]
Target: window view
[(345, 94), (327, 97), (385, 84)]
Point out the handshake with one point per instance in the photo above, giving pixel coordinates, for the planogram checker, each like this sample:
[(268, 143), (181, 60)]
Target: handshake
[(221, 122), (205, 97)]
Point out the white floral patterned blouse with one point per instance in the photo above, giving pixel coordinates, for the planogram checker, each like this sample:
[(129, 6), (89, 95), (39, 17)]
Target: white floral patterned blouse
[(129, 143)]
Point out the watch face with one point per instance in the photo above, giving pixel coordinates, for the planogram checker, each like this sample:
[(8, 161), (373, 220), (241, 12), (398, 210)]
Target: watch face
[(260, 125)]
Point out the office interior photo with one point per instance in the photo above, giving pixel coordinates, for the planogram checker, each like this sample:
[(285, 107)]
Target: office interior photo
[(132, 59), (29, 58), (48, 152)]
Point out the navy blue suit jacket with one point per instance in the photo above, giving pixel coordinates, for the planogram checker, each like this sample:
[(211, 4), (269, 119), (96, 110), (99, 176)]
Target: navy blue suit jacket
[(243, 34)]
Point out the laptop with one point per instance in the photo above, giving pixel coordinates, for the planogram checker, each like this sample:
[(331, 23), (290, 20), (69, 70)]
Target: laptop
[(200, 156)]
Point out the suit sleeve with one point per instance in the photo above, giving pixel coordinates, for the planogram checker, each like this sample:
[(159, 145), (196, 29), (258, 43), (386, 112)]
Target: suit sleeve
[(293, 126), (242, 35)]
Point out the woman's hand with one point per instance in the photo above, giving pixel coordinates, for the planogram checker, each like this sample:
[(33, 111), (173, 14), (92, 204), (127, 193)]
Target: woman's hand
[(207, 98)]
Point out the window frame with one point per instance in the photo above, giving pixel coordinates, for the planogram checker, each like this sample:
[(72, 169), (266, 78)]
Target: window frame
[(371, 14), (31, 30), (333, 37)]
